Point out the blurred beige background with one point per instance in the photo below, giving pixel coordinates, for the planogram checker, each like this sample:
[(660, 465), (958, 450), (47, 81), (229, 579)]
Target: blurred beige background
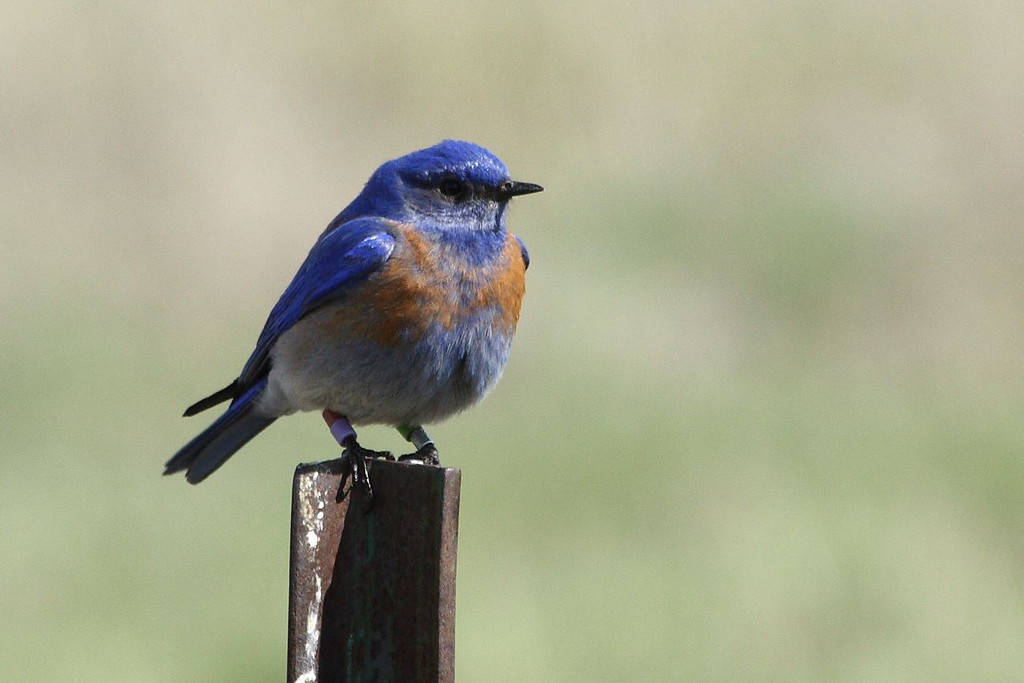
[(763, 416)]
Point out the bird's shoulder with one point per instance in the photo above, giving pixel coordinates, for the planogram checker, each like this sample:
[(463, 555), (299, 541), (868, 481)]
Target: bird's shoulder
[(341, 258)]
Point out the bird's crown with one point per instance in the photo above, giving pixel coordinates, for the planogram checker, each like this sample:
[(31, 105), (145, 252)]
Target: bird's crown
[(451, 159)]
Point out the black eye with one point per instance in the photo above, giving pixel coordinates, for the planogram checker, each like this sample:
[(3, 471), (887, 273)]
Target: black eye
[(453, 188)]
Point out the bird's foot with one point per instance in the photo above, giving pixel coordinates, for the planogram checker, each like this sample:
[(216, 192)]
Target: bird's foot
[(354, 459), (354, 456), (426, 454)]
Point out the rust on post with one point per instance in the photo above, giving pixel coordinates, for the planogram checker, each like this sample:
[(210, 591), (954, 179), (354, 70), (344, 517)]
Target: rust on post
[(372, 591)]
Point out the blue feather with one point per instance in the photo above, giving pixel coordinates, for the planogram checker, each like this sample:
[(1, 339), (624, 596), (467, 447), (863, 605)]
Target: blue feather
[(337, 261), (218, 442), (340, 259)]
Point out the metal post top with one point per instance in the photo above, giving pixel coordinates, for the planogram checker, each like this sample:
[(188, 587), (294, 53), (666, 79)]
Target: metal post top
[(372, 589)]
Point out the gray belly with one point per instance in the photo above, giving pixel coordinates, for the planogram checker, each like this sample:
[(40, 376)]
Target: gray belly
[(410, 383)]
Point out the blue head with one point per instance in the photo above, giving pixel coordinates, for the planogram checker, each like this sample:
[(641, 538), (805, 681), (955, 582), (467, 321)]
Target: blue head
[(453, 186)]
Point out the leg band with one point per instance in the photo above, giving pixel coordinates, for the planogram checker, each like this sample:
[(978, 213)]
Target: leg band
[(341, 428), (419, 438)]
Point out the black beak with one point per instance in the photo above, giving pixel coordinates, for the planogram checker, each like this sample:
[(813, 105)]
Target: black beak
[(514, 188)]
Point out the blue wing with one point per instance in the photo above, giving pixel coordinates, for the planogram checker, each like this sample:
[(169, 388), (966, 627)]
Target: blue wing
[(340, 259), (524, 252)]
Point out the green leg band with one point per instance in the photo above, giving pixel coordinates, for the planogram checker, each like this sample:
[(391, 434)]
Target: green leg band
[(415, 435)]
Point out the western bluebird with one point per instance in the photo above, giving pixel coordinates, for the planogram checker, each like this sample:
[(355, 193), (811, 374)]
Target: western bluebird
[(402, 313)]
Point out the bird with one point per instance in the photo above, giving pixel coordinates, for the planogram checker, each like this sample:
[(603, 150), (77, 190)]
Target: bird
[(402, 314)]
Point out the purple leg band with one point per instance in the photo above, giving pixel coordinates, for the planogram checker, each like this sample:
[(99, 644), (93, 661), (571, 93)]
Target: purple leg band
[(341, 429)]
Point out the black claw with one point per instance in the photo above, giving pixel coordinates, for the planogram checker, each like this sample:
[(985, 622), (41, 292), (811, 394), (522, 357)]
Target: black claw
[(426, 453), (355, 457)]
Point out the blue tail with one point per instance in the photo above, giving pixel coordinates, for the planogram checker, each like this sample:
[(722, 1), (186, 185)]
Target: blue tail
[(204, 454)]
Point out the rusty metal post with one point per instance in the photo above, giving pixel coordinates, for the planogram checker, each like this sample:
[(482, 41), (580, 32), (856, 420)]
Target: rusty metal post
[(372, 592)]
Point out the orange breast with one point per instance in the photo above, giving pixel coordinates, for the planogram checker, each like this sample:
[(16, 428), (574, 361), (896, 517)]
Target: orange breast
[(426, 283)]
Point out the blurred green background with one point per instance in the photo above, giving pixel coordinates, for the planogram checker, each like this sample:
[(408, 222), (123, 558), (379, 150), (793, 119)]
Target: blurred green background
[(763, 416)]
